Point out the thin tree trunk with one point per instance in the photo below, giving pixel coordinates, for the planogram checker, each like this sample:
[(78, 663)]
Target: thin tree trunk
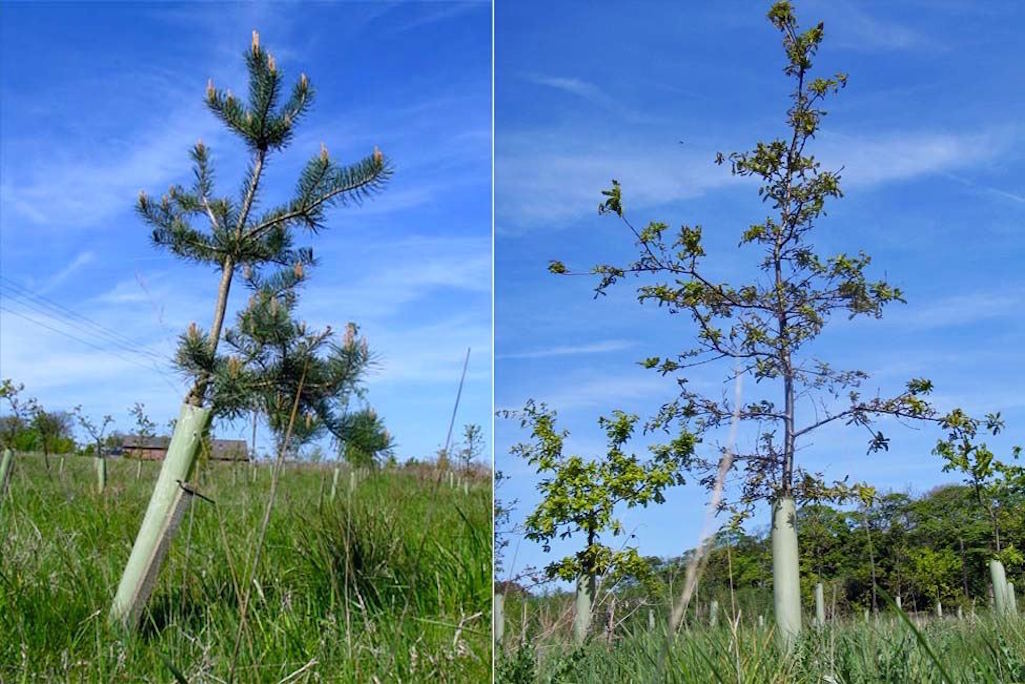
[(872, 564), (964, 567)]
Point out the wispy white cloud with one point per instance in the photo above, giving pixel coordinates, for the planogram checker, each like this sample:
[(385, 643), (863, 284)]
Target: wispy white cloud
[(394, 274), (433, 353), (598, 391), (570, 350), (541, 180), (872, 159), (852, 27), (54, 190), (1018, 198), (80, 260), (965, 309), (440, 12), (589, 92)]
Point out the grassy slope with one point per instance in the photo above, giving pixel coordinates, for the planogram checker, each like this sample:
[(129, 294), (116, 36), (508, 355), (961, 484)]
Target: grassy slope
[(350, 591), (977, 651)]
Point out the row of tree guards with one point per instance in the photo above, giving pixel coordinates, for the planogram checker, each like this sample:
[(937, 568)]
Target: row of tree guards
[(1004, 603)]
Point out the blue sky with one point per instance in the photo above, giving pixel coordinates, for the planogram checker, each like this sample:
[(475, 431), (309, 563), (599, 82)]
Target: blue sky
[(929, 135), (100, 101)]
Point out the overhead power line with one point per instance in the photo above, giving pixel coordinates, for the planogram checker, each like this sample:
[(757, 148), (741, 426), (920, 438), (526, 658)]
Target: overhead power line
[(164, 375), (72, 318)]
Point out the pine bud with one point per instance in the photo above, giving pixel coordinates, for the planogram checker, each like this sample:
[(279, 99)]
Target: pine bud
[(350, 334), (378, 157), (193, 330), (210, 92), (323, 152), (200, 147), (298, 270), (302, 81), (256, 42), (309, 420), (271, 65)]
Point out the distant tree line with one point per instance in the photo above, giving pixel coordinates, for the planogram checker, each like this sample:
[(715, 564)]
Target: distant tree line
[(934, 547)]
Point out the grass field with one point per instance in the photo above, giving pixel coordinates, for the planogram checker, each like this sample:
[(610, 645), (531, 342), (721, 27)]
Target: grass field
[(976, 650), (392, 584)]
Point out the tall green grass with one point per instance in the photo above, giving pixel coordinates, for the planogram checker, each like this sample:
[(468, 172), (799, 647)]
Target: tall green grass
[(980, 650), (390, 584)]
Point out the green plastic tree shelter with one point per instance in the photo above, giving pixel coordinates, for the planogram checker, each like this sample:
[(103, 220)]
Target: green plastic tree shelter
[(785, 571), (999, 578), (499, 620), (820, 605), (6, 465), (334, 483), (101, 473), (585, 599), (170, 498)]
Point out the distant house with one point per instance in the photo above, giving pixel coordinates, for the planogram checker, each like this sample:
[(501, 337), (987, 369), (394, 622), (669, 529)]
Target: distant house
[(145, 448), (155, 448), (229, 450)]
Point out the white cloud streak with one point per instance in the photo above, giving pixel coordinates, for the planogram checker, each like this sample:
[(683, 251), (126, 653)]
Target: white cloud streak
[(570, 350)]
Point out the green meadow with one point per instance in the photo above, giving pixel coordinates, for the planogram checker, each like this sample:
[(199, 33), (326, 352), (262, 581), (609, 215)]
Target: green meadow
[(388, 582)]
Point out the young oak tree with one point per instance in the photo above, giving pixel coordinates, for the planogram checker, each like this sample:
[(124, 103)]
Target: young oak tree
[(96, 433), (472, 446), (760, 328), (53, 431), (580, 495), (12, 427), (236, 238), (145, 429)]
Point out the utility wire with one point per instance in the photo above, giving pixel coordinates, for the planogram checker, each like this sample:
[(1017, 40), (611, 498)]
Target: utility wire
[(92, 334), (164, 375), (34, 300)]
